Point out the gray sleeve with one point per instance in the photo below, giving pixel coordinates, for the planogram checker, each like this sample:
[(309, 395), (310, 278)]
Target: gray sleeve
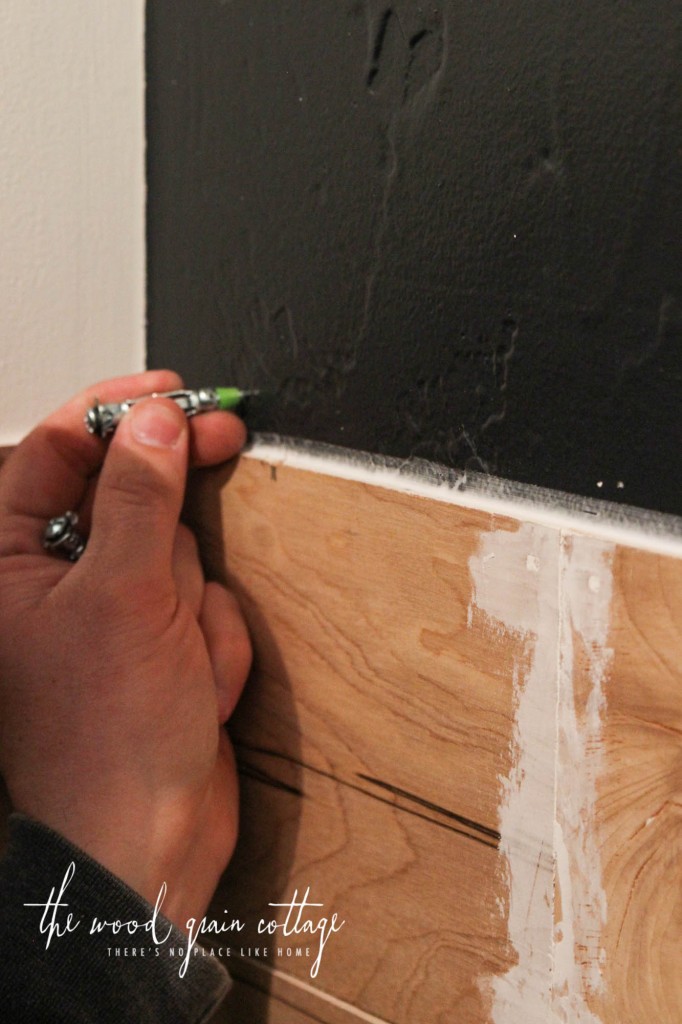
[(80, 979)]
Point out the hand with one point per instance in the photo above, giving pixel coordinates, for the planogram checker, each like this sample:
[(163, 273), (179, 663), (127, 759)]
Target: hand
[(117, 671)]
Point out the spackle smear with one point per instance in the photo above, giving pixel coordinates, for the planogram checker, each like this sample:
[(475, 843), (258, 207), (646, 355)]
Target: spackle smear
[(586, 584), (524, 603), (553, 590)]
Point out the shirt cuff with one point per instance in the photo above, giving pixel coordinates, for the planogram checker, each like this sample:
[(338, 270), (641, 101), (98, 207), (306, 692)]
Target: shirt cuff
[(82, 977)]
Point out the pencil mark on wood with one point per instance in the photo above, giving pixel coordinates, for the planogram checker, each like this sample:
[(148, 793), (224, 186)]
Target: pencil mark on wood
[(397, 791), (481, 833), (250, 771)]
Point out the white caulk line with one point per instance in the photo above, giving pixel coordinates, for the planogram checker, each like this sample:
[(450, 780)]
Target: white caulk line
[(534, 507), (353, 1012)]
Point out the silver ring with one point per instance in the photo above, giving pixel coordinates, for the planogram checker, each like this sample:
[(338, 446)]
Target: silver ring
[(62, 538)]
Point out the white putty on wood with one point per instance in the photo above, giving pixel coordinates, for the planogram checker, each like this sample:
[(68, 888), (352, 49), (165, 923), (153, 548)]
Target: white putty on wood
[(553, 590), (524, 603)]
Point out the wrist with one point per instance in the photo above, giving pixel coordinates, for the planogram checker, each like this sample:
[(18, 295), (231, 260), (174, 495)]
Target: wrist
[(162, 855)]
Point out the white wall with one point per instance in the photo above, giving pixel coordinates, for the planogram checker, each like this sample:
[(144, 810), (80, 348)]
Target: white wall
[(72, 266)]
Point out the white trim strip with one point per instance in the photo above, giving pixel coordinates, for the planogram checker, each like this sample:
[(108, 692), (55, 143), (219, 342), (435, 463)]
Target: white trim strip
[(624, 525)]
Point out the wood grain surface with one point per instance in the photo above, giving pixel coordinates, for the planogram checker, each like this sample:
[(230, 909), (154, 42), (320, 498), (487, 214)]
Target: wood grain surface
[(428, 700), (370, 767), (638, 817), (379, 735)]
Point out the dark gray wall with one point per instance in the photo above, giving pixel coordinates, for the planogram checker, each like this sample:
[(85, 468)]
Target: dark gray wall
[(450, 230)]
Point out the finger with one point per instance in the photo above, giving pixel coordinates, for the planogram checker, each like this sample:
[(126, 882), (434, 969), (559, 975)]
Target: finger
[(49, 471), (187, 571), (84, 510), (139, 494), (215, 437), (228, 643)]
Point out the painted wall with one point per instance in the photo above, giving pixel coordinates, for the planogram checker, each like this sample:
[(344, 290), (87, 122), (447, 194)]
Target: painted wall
[(451, 230), (72, 195)]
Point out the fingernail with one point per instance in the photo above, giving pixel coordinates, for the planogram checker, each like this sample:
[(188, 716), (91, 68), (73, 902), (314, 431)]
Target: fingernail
[(156, 424)]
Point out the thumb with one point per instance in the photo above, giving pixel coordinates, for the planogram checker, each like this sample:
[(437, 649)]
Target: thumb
[(140, 493)]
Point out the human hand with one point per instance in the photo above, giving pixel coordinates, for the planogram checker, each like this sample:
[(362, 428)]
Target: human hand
[(116, 672)]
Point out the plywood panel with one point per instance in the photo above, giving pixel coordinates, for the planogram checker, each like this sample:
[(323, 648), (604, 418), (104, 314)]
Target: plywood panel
[(367, 667), (428, 680), (379, 730), (638, 815), (419, 899), (247, 1002)]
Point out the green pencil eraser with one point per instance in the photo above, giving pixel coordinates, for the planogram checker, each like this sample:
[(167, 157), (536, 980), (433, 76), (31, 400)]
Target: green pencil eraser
[(229, 398)]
